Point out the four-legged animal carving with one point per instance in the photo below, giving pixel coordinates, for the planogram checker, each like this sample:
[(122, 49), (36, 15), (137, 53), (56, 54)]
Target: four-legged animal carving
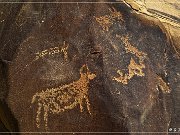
[(133, 67), (66, 97)]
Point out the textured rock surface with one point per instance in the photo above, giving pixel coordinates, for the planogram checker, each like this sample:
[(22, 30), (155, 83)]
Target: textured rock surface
[(166, 11), (87, 67)]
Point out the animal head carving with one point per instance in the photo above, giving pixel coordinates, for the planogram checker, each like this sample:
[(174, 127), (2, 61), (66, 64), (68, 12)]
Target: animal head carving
[(84, 71)]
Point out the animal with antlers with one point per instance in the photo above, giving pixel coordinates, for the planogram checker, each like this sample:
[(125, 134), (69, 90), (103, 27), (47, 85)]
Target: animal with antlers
[(66, 97)]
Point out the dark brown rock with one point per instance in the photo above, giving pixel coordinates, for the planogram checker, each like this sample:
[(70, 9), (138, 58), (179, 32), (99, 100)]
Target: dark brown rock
[(127, 82)]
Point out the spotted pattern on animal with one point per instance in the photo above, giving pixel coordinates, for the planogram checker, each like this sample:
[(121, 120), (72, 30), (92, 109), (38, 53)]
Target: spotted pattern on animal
[(62, 98)]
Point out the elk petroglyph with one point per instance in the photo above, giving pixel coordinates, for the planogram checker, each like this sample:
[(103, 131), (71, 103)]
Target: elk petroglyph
[(62, 98)]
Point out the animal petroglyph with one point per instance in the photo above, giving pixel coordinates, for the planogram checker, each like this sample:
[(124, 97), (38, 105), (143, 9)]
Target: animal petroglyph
[(162, 84), (66, 97), (53, 51), (107, 20), (133, 67)]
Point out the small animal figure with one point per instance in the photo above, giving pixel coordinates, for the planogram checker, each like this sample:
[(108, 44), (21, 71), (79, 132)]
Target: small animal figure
[(107, 21), (133, 67), (62, 98)]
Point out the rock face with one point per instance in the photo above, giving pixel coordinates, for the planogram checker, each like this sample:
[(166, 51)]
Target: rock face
[(86, 67), (167, 12)]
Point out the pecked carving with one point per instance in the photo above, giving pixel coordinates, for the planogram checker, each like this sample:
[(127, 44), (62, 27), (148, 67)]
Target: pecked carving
[(133, 67), (107, 20), (53, 51), (62, 98)]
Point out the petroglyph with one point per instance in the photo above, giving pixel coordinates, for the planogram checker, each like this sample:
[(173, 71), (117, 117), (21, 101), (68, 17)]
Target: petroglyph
[(162, 84), (107, 20), (133, 68), (52, 51), (66, 97)]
